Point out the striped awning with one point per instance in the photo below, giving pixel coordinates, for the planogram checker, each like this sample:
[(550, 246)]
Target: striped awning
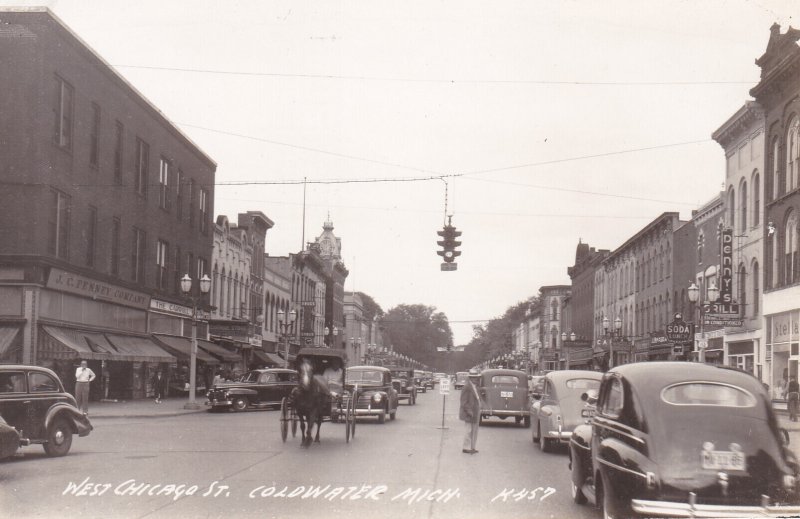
[(182, 347), (218, 351), (7, 336), (70, 343)]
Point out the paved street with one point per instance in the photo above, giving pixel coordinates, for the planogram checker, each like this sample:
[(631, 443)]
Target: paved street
[(235, 465)]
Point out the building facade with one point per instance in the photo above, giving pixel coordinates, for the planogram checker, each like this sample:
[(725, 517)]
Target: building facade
[(742, 139), (552, 299), (330, 248), (778, 94), (105, 206)]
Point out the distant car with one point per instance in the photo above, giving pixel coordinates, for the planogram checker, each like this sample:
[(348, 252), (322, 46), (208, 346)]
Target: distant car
[(257, 389), (376, 394), (428, 380), (558, 409), (419, 378), (404, 384), (461, 379), (437, 377), (684, 439), (34, 403), (504, 394)]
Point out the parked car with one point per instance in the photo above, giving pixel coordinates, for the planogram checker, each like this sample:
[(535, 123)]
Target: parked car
[(257, 389), (9, 440), (685, 440), (34, 403), (558, 408), (404, 384), (461, 379), (504, 393), (376, 395), (419, 378)]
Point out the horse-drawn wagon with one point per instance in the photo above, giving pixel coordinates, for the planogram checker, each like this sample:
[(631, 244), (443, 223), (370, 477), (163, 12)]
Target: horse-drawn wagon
[(319, 395)]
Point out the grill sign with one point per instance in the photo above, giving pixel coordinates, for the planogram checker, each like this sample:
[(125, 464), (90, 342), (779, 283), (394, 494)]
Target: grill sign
[(679, 331)]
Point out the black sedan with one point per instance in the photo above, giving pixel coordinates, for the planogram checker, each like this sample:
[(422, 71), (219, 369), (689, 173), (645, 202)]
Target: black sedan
[(34, 404), (679, 439), (257, 389)]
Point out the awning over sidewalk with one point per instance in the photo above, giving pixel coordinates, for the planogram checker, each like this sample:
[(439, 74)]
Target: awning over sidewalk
[(182, 347), (7, 336), (70, 343), (218, 351), (269, 358)]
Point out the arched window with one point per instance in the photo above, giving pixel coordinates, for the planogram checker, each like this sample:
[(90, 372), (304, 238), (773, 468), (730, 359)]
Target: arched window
[(742, 286), (731, 207), (791, 250), (756, 289), (743, 205), (756, 199), (793, 154), (776, 173), (701, 240)]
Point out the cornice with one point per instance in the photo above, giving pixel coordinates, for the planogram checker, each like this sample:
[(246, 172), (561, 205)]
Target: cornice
[(739, 124)]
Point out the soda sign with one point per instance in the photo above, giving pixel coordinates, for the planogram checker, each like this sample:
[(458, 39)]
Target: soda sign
[(679, 331)]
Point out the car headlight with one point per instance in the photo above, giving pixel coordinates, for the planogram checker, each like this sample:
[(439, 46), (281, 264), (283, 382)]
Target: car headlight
[(789, 482), (376, 397)]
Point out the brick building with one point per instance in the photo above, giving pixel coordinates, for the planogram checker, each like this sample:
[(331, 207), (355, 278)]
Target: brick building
[(105, 205)]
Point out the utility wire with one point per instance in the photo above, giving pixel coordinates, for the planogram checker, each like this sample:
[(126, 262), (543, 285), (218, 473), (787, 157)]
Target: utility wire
[(433, 80)]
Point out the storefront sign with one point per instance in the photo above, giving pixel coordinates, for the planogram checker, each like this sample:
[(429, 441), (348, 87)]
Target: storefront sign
[(678, 330), (170, 308), (785, 327), (723, 321), (726, 260), (229, 329), (92, 288)]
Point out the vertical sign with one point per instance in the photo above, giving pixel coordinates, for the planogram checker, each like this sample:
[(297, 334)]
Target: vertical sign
[(726, 260)]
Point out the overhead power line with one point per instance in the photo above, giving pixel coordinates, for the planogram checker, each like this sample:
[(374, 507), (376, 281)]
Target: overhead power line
[(452, 81)]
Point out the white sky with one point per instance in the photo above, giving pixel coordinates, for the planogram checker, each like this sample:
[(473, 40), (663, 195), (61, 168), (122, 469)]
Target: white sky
[(447, 87)]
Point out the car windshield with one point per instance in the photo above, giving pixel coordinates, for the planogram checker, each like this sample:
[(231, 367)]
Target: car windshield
[(708, 394), (505, 381), (364, 376), (583, 383)]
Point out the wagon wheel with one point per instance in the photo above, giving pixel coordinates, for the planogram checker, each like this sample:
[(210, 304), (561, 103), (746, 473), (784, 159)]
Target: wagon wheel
[(347, 418), (295, 419), (352, 423), (284, 419)]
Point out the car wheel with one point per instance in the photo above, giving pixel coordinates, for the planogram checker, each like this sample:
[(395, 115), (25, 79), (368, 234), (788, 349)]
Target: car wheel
[(392, 415), (59, 438), (613, 504), (545, 444), (526, 422), (577, 494), (535, 434), (240, 404)]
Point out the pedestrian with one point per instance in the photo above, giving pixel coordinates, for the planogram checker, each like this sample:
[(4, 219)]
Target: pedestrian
[(470, 412), (83, 376), (159, 386), (792, 396)]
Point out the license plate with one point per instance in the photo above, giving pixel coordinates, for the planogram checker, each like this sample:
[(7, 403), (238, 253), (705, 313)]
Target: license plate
[(506, 394), (723, 460), (587, 413)]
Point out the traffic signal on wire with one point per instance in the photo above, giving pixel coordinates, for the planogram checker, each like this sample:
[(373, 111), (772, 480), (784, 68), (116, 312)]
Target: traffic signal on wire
[(449, 244)]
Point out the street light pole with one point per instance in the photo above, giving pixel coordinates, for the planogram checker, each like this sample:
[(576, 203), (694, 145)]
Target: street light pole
[(694, 297), (284, 324), (186, 288)]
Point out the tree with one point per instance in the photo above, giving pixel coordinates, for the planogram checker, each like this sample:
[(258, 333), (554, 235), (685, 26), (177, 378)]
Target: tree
[(417, 330), (495, 337), (370, 307)]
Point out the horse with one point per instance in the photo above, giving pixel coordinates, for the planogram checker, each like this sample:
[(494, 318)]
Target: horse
[(310, 400)]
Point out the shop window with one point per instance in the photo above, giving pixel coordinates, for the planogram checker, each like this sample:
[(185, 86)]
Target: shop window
[(63, 109)]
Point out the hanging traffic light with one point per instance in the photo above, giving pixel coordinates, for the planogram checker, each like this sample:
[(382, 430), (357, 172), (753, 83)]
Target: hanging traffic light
[(449, 244)]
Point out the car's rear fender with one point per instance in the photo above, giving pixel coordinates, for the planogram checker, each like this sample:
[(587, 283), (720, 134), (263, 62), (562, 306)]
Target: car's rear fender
[(79, 422)]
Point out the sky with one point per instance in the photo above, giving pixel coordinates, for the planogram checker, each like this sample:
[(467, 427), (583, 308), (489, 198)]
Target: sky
[(534, 124)]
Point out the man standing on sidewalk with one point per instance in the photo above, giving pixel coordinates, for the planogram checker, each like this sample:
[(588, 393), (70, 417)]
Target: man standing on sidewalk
[(470, 412), (792, 395), (83, 376)]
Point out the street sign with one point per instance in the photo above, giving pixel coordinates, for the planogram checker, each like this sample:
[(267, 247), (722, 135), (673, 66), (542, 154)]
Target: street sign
[(677, 349), (444, 386), (702, 343), (449, 266)]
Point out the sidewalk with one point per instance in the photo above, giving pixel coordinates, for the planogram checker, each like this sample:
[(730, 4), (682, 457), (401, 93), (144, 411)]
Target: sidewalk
[(144, 408)]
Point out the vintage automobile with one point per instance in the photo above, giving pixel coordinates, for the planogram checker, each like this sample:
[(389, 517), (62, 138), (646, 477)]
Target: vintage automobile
[(376, 395), (437, 377), (404, 384), (557, 408), (9, 440), (427, 378), (257, 389), (681, 439), (419, 378), (461, 379), (504, 393), (34, 403)]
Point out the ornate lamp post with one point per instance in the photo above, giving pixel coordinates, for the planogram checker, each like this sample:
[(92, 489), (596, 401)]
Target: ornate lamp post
[(286, 325), (694, 296), (186, 288), (609, 337)]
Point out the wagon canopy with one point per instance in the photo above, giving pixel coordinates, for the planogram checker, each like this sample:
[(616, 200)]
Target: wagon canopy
[(322, 359)]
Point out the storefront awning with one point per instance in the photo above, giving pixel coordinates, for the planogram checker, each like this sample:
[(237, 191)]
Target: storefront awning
[(219, 352), (7, 336), (98, 346), (269, 358), (182, 347)]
